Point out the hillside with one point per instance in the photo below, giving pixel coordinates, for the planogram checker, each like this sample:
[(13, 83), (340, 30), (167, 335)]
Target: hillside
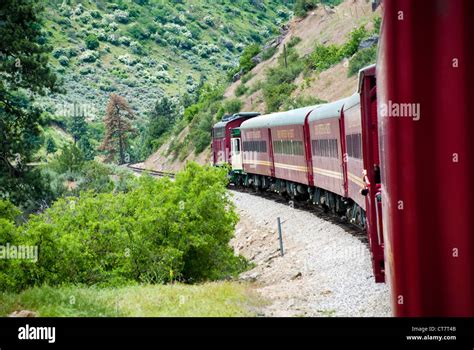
[(326, 26), (145, 49)]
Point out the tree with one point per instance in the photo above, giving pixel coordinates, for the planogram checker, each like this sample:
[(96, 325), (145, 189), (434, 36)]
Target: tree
[(78, 124), (24, 73), (70, 159), (160, 119), (86, 148), (50, 145), (117, 128)]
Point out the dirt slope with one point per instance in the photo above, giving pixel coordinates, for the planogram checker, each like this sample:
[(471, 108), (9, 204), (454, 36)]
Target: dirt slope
[(324, 25)]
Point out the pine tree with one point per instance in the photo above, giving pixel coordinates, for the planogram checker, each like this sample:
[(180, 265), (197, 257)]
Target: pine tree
[(117, 128), (50, 145), (78, 124), (24, 73)]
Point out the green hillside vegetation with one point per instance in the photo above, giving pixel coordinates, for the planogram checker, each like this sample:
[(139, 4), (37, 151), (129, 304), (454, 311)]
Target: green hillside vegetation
[(145, 49), (278, 84), (146, 230)]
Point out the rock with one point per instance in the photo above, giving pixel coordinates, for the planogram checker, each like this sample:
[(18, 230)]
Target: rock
[(251, 277), (23, 313), (237, 76), (369, 42), (257, 59), (298, 275)]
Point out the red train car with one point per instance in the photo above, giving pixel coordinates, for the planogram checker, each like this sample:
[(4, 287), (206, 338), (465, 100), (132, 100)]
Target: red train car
[(274, 148), (324, 130), (353, 150), (288, 140), (221, 136), (425, 87), (371, 163), (256, 147)]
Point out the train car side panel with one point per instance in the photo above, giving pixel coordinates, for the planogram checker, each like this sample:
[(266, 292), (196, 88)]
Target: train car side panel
[(327, 155), (289, 153)]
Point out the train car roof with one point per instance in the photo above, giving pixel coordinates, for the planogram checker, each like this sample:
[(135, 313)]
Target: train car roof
[(228, 118), (292, 117), (328, 110), (369, 70), (352, 101)]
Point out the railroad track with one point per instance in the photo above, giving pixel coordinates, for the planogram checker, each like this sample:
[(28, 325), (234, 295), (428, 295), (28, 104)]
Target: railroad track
[(154, 173), (350, 228)]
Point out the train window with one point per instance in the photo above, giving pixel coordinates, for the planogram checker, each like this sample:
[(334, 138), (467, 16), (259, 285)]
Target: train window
[(298, 148), (354, 145), (325, 148), (275, 147), (287, 147), (219, 132), (255, 146)]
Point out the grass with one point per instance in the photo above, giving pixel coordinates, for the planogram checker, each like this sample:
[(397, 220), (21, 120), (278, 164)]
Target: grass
[(216, 299)]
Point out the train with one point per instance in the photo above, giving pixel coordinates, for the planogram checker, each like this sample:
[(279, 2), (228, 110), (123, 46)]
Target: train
[(394, 158)]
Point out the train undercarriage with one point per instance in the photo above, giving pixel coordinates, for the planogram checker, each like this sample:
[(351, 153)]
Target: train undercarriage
[(345, 208)]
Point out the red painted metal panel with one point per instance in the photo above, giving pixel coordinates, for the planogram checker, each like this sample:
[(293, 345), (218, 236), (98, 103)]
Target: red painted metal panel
[(221, 148), (368, 100), (354, 156), (328, 171), (425, 61), (259, 163), (291, 167)]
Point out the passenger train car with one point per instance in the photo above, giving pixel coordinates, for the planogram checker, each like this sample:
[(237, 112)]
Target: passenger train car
[(394, 158)]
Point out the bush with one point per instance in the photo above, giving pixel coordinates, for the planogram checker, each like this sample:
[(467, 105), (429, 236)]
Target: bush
[(63, 61), (352, 45), (232, 106), (301, 7), (160, 231), (295, 40), (362, 59), (246, 62), (88, 56), (246, 77), (92, 42), (241, 90), (324, 57), (268, 53), (279, 85)]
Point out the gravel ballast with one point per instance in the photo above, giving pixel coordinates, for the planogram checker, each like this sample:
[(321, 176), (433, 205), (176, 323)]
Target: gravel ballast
[(325, 271)]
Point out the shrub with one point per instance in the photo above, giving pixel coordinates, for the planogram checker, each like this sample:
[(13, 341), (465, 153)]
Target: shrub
[(241, 90), (88, 56), (121, 16), (352, 45), (159, 231), (268, 53), (301, 7), (92, 42), (232, 106), (246, 64), (362, 59), (295, 40), (246, 77), (63, 61), (323, 57)]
